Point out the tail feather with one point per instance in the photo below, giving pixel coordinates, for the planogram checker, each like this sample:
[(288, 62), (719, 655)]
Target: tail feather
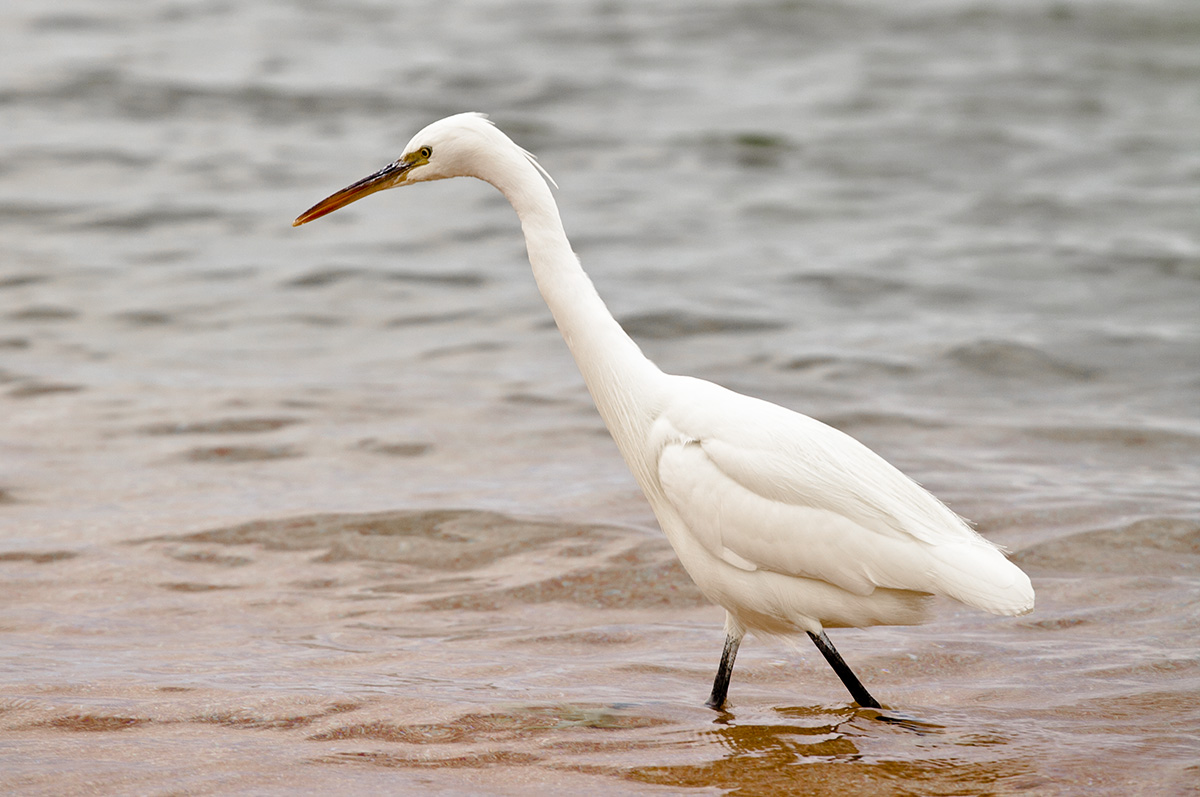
[(981, 576)]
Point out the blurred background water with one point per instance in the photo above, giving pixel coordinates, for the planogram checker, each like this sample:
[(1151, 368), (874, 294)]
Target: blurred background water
[(291, 510)]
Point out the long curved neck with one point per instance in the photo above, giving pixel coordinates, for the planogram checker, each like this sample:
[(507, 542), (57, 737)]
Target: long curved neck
[(623, 382)]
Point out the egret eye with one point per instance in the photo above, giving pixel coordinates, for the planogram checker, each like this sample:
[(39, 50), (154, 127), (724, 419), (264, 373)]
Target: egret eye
[(425, 152)]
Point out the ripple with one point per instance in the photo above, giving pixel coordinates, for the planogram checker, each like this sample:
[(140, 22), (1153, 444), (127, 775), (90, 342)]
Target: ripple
[(682, 324), (1163, 546), (37, 389), (149, 218), (1015, 360), (144, 318), (1177, 441), (322, 277), (112, 90), (517, 724), (441, 539), (644, 578), (851, 288), (255, 720), (404, 449), (459, 279), (233, 454), (191, 586), (221, 426), (37, 557), (853, 368), (21, 280), (94, 723), (44, 313)]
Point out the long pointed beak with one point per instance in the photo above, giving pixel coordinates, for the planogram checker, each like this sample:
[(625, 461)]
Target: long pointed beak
[(387, 177)]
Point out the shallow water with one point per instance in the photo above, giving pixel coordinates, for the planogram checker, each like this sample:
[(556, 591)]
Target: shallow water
[(301, 510)]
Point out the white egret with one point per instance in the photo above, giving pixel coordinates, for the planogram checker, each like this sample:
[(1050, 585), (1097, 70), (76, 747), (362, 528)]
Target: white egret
[(788, 524)]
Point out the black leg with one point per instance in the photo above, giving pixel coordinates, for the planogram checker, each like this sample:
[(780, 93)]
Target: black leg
[(857, 690), (721, 685)]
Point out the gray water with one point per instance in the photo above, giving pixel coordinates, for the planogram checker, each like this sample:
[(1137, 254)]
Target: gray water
[(294, 510)]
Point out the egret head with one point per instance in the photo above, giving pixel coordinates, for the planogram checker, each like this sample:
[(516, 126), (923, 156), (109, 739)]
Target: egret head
[(463, 145)]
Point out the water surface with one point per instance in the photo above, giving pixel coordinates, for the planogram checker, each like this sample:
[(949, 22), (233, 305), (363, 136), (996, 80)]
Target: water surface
[(301, 510)]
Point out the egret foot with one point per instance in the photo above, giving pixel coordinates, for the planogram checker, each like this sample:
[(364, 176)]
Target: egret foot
[(839, 665), (721, 684)]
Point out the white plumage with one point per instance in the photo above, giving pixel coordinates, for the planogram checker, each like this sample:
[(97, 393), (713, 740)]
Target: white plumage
[(789, 524)]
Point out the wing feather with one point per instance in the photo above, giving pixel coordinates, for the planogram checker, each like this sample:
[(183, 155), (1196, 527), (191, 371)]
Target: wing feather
[(762, 487)]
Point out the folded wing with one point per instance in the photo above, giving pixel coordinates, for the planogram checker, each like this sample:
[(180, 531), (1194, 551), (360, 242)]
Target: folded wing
[(761, 487)]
